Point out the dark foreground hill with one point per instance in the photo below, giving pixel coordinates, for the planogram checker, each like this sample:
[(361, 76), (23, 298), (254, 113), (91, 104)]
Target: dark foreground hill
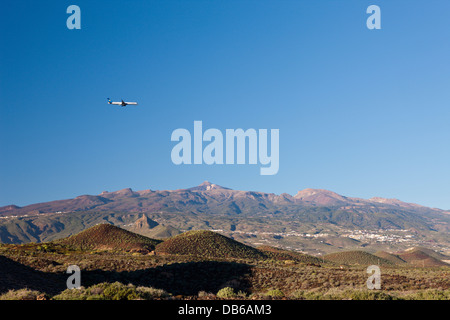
[(209, 244), (108, 237), (15, 275), (357, 258)]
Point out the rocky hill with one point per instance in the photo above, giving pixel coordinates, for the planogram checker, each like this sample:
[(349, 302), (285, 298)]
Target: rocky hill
[(203, 243), (108, 237)]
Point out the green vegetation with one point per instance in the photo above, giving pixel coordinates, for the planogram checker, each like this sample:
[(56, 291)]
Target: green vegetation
[(112, 291), (275, 293), (23, 294), (343, 295), (430, 294), (226, 293)]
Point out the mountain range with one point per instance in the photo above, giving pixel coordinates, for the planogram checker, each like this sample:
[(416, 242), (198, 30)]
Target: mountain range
[(225, 200), (245, 215)]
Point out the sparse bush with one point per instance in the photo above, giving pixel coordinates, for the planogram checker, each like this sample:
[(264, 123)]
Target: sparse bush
[(335, 294), (206, 295), (308, 295), (242, 294), (275, 293), (109, 291), (101, 291), (226, 293), (366, 295), (78, 294), (429, 295), (148, 293), (23, 294), (119, 291)]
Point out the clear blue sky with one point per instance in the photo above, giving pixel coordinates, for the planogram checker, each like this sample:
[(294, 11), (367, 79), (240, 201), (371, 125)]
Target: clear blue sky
[(363, 113)]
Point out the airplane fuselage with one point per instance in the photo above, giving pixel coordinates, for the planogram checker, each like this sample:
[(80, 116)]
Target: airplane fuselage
[(122, 103)]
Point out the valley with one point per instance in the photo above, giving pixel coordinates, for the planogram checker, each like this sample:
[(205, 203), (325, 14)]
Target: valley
[(117, 264)]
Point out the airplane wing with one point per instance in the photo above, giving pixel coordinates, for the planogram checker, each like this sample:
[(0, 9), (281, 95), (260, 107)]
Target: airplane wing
[(131, 103)]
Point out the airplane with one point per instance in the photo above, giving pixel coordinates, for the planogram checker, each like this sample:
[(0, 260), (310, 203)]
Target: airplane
[(123, 103)]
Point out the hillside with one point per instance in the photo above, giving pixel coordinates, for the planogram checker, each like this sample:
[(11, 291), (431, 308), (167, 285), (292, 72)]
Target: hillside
[(162, 232), (208, 244), (108, 237), (356, 258), (151, 229), (431, 253), (420, 258), (390, 257), (280, 254)]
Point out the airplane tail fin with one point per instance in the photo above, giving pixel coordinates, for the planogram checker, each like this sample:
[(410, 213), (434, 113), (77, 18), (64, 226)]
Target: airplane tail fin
[(109, 101)]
